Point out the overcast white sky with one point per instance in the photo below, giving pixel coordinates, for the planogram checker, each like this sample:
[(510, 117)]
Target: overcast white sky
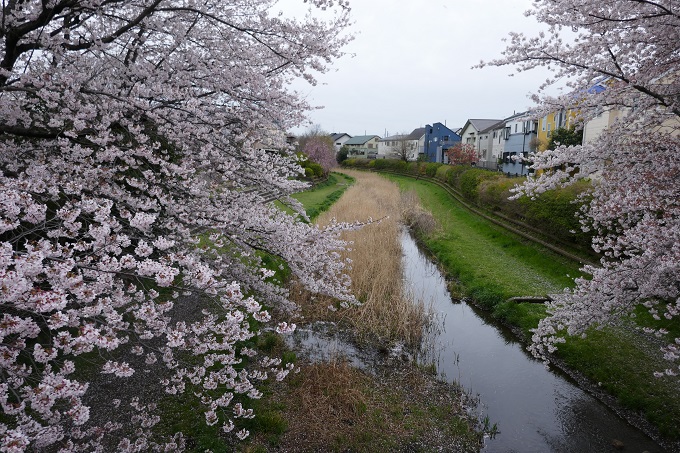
[(412, 66)]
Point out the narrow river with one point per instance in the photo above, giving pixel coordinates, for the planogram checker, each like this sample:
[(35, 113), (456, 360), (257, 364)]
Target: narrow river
[(535, 409)]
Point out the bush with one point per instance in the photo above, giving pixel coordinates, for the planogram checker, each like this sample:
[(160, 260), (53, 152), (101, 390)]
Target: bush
[(453, 175), (442, 172), (400, 166), (470, 180), (494, 194), (431, 169), (381, 164), (553, 212), (342, 155)]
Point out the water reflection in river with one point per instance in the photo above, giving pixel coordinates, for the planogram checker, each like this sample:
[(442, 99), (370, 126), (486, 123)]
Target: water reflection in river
[(536, 410)]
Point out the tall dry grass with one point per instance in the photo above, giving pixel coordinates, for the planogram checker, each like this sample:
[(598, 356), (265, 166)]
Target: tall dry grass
[(419, 220), (387, 313)]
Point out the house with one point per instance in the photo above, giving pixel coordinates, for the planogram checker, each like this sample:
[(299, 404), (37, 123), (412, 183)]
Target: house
[(550, 123), (610, 114), (490, 145), (363, 146), (417, 139), (406, 147), (438, 139), (470, 135), (497, 144), (339, 139), (391, 146), (565, 118), (519, 134)]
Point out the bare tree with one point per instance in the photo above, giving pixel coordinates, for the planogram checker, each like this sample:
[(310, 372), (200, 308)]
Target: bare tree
[(403, 148)]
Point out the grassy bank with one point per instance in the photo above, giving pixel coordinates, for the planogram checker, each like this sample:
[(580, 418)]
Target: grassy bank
[(320, 198), (492, 265), (489, 263), (551, 212)]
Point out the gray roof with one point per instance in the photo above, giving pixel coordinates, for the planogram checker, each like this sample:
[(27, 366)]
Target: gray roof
[(336, 136), (416, 134), (360, 139), (481, 124), (497, 125), (393, 137)]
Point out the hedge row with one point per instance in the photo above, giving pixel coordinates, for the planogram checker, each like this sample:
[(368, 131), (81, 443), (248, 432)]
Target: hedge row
[(554, 212)]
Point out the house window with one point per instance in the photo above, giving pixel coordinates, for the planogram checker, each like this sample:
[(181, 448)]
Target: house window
[(445, 138), (543, 122), (370, 146)]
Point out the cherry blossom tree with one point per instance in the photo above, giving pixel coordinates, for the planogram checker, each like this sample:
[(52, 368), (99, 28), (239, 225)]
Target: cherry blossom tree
[(629, 48), (319, 149), (462, 154), (130, 176)]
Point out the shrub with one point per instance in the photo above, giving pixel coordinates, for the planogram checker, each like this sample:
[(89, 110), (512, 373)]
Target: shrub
[(401, 166), (556, 212), (342, 154), (381, 164), (470, 180), (494, 194), (442, 172), (431, 168)]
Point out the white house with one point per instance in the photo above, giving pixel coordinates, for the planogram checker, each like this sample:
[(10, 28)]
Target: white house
[(490, 145), (417, 140), (399, 146), (477, 133), (388, 147), (339, 139)]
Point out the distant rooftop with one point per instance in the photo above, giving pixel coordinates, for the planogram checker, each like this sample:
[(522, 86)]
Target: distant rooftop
[(481, 124), (416, 134), (360, 139), (335, 135)]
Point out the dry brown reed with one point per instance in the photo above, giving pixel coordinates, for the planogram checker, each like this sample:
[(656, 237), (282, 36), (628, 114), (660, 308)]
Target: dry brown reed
[(419, 220), (387, 314), (334, 407)]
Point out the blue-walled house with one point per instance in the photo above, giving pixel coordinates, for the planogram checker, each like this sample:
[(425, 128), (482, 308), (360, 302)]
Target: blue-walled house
[(438, 139)]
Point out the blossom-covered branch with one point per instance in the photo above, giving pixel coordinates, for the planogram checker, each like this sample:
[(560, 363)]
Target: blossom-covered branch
[(628, 48), (128, 157)]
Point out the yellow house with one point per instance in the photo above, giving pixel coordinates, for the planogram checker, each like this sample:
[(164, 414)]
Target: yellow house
[(549, 123)]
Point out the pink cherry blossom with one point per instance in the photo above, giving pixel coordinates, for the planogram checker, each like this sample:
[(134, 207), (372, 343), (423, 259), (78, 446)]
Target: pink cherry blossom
[(627, 49), (131, 165)]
